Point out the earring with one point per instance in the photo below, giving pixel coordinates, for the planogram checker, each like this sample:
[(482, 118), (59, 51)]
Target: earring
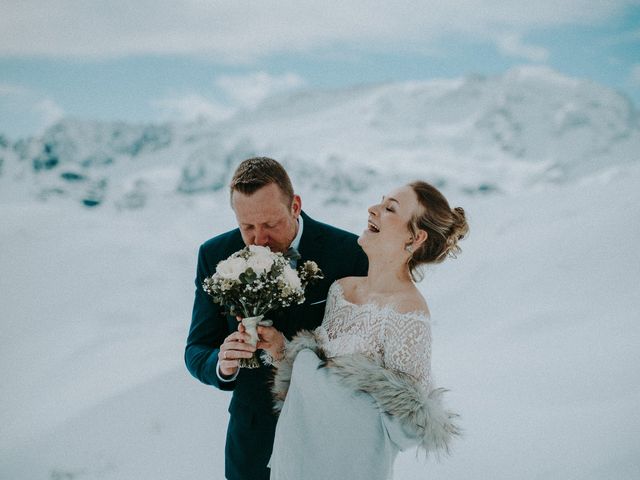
[(409, 248)]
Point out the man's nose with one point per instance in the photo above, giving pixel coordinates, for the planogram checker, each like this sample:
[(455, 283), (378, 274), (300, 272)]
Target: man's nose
[(261, 237)]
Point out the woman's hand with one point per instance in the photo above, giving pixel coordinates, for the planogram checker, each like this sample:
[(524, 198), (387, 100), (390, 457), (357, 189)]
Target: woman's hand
[(272, 340)]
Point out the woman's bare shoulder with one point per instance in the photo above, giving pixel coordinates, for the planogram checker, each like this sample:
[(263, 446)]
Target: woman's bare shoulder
[(349, 283), (412, 301)]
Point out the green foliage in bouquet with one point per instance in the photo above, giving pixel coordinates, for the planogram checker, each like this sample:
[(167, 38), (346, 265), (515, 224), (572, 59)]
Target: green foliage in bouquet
[(254, 281)]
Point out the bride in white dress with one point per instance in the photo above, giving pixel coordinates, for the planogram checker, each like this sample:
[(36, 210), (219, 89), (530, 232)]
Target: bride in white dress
[(358, 389)]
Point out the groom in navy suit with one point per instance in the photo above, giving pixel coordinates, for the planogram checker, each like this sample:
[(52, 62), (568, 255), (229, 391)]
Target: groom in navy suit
[(268, 213)]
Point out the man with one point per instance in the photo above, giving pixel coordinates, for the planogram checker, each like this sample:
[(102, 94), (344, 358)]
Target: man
[(269, 214)]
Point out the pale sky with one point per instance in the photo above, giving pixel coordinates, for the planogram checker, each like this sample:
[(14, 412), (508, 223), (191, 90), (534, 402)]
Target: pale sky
[(147, 61)]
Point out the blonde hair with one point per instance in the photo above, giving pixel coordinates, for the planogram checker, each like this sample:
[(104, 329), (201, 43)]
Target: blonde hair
[(444, 226)]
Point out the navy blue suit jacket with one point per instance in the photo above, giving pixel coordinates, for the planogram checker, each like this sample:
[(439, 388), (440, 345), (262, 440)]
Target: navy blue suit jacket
[(252, 421)]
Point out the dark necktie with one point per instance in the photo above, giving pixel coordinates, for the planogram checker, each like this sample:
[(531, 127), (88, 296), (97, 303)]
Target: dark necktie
[(293, 256)]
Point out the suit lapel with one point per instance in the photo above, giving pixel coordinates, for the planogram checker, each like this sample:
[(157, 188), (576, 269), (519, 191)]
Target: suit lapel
[(312, 240), (312, 247)]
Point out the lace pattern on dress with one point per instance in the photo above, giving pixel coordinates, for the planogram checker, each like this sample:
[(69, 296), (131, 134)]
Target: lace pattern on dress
[(399, 341)]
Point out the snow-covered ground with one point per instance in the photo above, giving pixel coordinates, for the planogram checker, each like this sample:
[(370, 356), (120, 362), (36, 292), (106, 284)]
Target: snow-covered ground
[(535, 326), (536, 333)]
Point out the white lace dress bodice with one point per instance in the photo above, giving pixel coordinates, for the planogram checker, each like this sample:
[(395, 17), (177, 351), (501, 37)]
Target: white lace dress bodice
[(398, 341)]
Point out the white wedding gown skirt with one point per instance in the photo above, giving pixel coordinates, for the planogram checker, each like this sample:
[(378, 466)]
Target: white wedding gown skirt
[(327, 431)]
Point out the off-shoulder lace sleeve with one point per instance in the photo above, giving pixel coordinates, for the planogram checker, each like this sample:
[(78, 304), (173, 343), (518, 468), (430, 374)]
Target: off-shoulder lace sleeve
[(407, 345)]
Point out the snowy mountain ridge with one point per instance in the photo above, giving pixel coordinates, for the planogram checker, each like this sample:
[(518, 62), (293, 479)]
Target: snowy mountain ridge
[(525, 128)]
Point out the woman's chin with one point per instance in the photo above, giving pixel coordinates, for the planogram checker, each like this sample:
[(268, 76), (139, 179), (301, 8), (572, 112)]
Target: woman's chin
[(361, 239), (364, 239)]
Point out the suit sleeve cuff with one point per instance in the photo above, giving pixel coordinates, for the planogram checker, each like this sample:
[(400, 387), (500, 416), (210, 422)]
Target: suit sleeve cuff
[(221, 378)]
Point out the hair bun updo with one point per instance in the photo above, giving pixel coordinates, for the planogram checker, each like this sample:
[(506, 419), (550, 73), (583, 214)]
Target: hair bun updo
[(445, 227), (459, 230)]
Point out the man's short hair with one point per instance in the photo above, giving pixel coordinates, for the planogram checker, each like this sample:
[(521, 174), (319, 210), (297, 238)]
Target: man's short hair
[(254, 173)]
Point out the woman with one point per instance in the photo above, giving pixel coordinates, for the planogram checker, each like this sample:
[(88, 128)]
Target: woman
[(374, 395)]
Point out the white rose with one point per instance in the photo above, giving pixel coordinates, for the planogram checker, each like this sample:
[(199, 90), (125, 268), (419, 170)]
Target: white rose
[(260, 263), (231, 268), (291, 277), (260, 250)]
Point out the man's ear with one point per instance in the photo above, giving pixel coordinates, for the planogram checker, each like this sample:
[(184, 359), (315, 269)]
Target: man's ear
[(296, 205)]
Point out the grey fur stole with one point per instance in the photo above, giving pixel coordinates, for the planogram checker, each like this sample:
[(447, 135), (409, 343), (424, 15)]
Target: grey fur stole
[(396, 394)]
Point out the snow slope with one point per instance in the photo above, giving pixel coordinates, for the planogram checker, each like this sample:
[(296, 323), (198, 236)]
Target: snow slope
[(535, 333), (535, 325)]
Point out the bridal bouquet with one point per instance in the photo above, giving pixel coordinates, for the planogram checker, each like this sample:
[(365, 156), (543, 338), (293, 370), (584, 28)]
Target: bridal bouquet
[(254, 281)]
